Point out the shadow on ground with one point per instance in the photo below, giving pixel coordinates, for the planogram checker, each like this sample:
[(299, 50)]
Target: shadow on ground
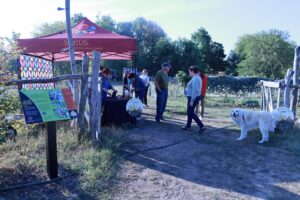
[(210, 165)]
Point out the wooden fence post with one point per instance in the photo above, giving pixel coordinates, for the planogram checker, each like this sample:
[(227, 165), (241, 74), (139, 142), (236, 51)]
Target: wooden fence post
[(94, 106), (287, 83), (83, 96), (295, 79)]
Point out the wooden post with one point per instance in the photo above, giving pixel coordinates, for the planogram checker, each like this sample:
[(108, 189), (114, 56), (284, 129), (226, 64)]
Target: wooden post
[(295, 79), (287, 83), (270, 100), (100, 108), (51, 150), (83, 96), (278, 97), (262, 98), (94, 105), (71, 52)]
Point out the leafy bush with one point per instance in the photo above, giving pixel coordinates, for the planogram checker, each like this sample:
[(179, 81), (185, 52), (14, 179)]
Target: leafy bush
[(182, 78), (233, 85)]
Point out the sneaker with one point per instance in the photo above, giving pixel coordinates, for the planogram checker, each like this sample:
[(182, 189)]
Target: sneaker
[(201, 129), (185, 128), (163, 119)]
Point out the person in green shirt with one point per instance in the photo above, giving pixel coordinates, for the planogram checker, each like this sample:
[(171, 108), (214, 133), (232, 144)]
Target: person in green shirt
[(161, 86)]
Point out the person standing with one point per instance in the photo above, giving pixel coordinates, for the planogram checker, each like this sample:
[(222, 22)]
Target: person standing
[(146, 80), (193, 92), (204, 79), (126, 86), (161, 87), (106, 85), (138, 86)]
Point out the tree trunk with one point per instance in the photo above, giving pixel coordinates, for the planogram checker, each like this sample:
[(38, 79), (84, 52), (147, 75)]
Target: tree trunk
[(295, 79), (94, 106), (83, 96), (71, 52)]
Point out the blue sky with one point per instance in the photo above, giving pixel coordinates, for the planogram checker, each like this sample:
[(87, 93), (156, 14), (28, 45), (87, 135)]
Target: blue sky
[(225, 20)]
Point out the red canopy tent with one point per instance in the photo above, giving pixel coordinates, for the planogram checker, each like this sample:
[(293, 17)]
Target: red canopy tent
[(87, 37)]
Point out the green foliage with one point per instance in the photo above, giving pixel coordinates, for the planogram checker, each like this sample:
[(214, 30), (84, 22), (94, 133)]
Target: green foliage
[(147, 34), (233, 85), (56, 26), (106, 22), (232, 64), (182, 78), (95, 164), (211, 53), (265, 54), (47, 28), (125, 28), (77, 17), (9, 104), (9, 52)]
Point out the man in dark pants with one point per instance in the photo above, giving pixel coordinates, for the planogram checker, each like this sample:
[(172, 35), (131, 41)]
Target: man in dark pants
[(161, 86)]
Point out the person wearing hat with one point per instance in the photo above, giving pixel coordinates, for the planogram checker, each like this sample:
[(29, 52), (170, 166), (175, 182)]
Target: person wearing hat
[(161, 87)]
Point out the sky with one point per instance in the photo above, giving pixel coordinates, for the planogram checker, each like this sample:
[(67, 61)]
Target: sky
[(225, 20)]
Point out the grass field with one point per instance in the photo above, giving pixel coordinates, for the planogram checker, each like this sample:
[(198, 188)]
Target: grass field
[(93, 167)]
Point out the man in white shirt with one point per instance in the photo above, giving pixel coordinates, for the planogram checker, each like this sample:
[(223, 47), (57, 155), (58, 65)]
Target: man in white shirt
[(146, 80)]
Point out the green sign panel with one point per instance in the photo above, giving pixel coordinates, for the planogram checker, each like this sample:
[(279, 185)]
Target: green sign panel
[(45, 105)]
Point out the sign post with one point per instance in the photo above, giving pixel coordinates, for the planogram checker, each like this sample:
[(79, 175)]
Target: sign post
[(51, 150), (48, 106)]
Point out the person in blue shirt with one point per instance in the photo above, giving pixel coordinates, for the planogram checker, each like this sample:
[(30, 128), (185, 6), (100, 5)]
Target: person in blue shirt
[(193, 92), (106, 85), (138, 85)]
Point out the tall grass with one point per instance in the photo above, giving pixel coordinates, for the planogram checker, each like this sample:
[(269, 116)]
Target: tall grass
[(95, 164)]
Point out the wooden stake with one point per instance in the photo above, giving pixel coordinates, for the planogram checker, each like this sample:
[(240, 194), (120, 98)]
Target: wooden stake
[(94, 105), (83, 96), (295, 79)]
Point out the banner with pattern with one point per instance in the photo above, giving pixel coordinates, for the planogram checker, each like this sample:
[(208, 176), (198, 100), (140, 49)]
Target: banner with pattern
[(35, 68)]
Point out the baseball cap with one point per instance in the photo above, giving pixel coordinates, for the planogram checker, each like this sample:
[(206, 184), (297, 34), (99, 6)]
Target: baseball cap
[(165, 64)]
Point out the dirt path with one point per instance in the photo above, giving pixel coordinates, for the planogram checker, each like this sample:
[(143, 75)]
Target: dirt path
[(208, 166)]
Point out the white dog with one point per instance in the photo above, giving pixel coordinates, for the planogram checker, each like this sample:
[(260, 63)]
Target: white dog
[(247, 120)]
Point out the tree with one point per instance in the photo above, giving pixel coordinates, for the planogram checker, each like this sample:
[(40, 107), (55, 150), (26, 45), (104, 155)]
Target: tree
[(9, 53), (186, 54), (147, 34), (48, 28), (203, 40), (54, 27), (267, 54), (106, 22), (216, 58), (232, 63), (211, 54), (77, 17), (125, 28), (164, 52)]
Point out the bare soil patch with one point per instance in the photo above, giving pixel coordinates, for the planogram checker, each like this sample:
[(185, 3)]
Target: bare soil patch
[(212, 165)]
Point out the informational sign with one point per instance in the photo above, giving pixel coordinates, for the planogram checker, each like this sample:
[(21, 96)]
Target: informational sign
[(47, 105), (35, 68), (69, 102)]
